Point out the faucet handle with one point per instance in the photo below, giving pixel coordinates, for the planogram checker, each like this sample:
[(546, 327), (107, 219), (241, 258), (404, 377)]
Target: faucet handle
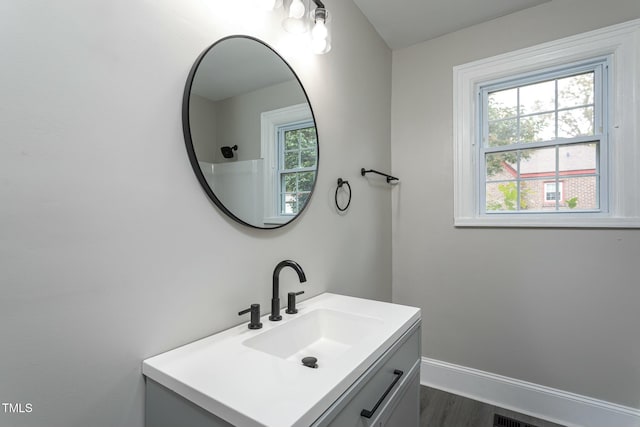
[(255, 316), (291, 302)]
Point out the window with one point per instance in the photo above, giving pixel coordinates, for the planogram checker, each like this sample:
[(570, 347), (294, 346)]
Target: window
[(541, 128), (552, 192), (547, 136), (289, 149), (297, 162)]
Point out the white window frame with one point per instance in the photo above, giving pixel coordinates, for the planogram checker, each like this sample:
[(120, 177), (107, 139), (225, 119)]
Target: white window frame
[(620, 44), (270, 121), (599, 67)]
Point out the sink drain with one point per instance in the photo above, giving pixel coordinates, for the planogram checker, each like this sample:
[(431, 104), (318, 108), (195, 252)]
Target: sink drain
[(310, 362)]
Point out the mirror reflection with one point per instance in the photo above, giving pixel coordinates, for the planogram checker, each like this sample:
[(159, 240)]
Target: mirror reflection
[(250, 132)]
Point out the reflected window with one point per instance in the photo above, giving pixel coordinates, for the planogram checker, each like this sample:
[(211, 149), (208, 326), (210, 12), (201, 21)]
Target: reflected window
[(289, 147), (297, 163)]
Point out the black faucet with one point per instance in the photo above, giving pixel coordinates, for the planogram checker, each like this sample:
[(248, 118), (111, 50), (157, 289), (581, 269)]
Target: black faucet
[(275, 300)]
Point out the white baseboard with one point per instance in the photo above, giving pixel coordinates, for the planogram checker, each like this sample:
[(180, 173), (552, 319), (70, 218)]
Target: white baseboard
[(550, 404)]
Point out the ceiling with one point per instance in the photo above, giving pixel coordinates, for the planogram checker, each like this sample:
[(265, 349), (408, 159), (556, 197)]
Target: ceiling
[(402, 23), (238, 65)]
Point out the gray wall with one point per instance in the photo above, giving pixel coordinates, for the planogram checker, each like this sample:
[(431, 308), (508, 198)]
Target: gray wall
[(236, 120), (239, 117), (109, 250), (203, 122), (554, 307)]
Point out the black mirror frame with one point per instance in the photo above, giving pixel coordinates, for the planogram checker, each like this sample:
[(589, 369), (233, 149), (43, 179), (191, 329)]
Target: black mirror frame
[(186, 129)]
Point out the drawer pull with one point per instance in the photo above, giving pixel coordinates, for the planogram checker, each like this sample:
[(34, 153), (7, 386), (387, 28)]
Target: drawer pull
[(368, 414)]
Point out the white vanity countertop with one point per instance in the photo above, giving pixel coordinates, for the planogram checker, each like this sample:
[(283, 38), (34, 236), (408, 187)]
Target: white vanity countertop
[(247, 387)]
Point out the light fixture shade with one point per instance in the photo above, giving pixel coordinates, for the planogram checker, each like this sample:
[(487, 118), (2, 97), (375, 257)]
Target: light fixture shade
[(296, 18), (320, 30)]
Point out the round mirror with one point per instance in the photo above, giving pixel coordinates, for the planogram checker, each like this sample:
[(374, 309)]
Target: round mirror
[(250, 132)]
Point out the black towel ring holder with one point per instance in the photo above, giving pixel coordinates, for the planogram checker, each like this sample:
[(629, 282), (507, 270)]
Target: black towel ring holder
[(342, 182)]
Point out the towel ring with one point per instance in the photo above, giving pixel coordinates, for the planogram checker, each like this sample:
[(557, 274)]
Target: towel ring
[(342, 182)]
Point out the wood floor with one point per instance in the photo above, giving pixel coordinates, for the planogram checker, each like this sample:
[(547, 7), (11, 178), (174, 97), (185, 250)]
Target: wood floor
[(441, 409)]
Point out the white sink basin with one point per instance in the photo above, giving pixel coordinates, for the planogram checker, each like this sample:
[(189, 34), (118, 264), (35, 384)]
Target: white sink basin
[(255, 378), (323, 334)]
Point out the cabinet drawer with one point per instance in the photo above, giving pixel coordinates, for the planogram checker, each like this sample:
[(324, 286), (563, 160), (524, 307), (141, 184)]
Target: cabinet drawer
[(403, 410), (383, 379)]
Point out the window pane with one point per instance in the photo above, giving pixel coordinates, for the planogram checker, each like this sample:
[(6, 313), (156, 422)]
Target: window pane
[(290, 204), (291, 160), (499, 166), (290, 182), (578, 158), (308, 138), (308, 158), (303, 198), (494, 198), (503, 196), (537, 162), (538, 97), (540, 127), (290, 208), (305, 181), (291, 140), (503, 132), (294, 202), (579, 193), (575, 91), (526, 196), (503, 104), (576, 122)]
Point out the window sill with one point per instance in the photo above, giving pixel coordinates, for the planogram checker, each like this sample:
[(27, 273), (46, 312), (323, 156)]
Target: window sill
[(277, 220), (543, 221)]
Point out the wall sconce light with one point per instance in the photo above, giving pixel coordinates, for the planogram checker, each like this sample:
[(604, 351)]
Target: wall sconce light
[(320, 34), (295, 20), (299, 16)]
